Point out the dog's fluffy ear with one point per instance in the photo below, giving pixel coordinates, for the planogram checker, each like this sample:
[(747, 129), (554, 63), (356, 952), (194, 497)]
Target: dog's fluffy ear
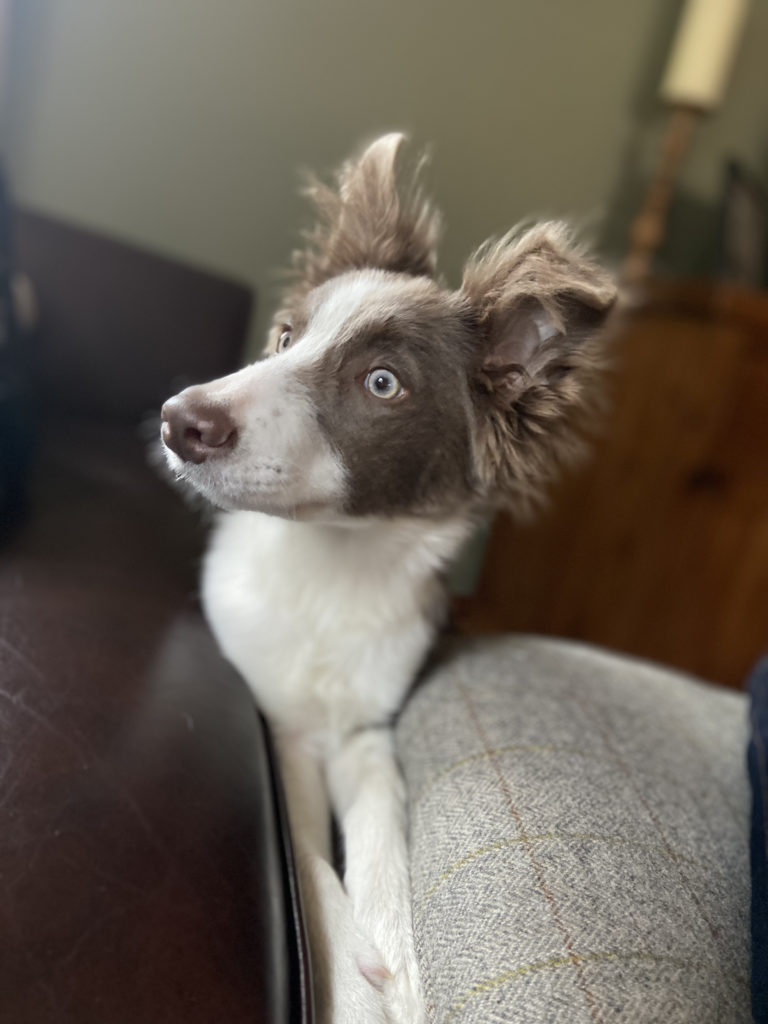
[(540, 305), (377, 216)]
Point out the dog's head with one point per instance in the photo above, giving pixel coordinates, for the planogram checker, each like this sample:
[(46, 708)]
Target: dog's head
[(386, 393)]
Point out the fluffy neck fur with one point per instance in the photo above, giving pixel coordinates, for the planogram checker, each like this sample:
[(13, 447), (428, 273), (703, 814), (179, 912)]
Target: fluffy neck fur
[(328, 623)]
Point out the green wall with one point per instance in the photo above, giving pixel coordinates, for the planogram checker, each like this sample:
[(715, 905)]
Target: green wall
[(180, 124)]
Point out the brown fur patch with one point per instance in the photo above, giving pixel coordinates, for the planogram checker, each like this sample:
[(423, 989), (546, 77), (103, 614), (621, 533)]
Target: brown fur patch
[(532, 310), (534, 389), (409, 456), (377, 217)]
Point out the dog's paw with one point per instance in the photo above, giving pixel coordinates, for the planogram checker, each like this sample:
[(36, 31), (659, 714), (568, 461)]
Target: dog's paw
[(373, 969), (403, 995), (360, 989), (400, 982), (351, 976)]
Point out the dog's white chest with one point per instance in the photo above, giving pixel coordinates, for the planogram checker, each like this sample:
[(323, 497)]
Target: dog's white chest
[(327, 626)]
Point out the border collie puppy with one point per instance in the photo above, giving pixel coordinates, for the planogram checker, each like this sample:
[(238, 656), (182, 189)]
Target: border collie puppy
[(350, 465)]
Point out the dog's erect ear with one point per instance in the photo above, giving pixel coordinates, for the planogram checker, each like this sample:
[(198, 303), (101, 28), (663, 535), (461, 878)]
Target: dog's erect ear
[(376, 217), (540, 304)]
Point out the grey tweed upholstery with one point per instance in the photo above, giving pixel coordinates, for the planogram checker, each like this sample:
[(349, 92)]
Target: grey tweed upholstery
[(578, 839)]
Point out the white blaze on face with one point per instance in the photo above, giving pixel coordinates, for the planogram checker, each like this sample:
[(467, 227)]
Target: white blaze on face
[(282, 463), (342, 307)]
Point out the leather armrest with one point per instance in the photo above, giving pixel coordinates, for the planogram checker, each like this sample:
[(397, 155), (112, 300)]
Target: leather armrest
[(142, 863)]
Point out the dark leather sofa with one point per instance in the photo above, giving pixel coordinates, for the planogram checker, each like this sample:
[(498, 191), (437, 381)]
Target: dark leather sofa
[(145, 871)]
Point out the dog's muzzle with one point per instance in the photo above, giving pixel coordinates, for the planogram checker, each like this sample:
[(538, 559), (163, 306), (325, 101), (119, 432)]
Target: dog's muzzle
[(195, 428)]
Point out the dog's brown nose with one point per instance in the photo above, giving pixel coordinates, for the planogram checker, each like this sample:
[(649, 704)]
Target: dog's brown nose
[(195, 428)]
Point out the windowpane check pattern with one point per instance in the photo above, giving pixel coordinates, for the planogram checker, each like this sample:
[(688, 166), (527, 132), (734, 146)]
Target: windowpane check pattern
[(579, 839)]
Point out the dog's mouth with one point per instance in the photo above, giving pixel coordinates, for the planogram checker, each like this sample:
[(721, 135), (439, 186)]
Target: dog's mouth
[(203, 448), (233, 479)]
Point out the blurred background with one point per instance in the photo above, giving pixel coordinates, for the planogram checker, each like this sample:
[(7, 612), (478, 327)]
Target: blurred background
[(153, 151), (181, 125)]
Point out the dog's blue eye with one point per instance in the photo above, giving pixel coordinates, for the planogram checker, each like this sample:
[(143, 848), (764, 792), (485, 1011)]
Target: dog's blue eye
[(384, 384)]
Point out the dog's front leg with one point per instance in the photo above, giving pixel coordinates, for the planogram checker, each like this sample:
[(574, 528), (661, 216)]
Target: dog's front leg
[(368, 796), (347, 970)]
